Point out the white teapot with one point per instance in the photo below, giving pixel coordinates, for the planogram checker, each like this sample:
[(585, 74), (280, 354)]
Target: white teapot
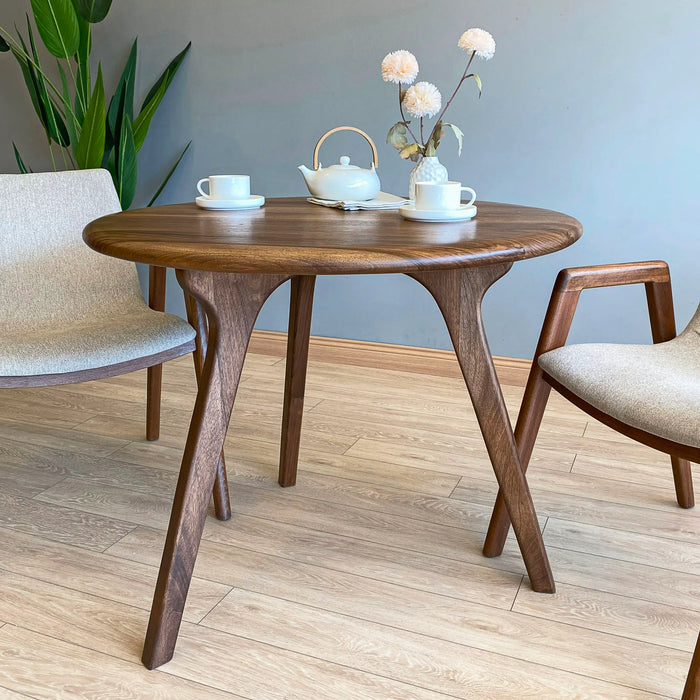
[(342, 182)]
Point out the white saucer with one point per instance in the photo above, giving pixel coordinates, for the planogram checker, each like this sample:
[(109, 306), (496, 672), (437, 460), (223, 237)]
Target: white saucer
[(464, 213), (253, 202)]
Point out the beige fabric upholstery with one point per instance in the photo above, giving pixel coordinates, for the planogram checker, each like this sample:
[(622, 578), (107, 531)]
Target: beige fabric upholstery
[(652, 387), (63, 307)]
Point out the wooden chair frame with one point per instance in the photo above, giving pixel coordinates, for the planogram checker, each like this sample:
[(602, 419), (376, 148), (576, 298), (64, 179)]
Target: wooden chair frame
[(555, 330)]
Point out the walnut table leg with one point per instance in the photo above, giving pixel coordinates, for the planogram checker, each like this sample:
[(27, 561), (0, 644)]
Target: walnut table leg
[(459, 293), (232, 303), (154, 378), (197, 318), (300, 306)]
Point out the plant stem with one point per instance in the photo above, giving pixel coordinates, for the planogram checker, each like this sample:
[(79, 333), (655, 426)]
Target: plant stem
[(449, 102), (421, 132), (62, 151), (53, 160), (403, 119)]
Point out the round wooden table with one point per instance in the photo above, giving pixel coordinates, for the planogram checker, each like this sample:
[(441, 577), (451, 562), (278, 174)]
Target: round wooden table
[(231, 261)]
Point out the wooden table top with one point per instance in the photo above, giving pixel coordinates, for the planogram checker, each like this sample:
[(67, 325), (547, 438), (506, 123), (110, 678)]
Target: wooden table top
[(291, 236)]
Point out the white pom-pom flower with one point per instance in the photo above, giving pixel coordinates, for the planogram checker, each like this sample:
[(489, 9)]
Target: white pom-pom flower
[(399, 67), (422, 100), (478, 41)]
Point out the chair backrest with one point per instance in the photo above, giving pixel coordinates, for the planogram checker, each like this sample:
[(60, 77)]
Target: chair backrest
[(47, 273), (693, 327)]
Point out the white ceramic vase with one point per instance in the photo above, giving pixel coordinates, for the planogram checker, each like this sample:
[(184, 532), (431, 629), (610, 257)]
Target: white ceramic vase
[(428, 169)]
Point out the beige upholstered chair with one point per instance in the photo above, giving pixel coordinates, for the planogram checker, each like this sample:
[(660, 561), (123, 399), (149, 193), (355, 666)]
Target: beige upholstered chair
[(650, 393), (68, 314)]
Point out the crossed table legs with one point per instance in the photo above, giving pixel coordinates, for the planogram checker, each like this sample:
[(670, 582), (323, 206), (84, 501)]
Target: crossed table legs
[(231, 303)]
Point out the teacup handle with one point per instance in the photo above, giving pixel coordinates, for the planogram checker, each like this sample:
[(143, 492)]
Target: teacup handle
[(473, 199), (199, 187)]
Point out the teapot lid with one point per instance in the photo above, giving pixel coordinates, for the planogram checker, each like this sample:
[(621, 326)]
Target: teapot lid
[(344, 165)]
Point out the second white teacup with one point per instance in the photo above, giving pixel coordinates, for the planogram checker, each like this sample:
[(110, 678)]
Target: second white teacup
[(441, 196), (226, 187)]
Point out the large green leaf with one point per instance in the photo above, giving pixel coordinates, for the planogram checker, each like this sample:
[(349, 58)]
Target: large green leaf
[(30, 82), (91, 146), (122, 102), (20, 163), (36, 87), (94, 10), (55, 126), (168, 74), (58, 26), (168, 176), (143, 121), (82, 78), (72, 123), (4, 46), (126, 164)]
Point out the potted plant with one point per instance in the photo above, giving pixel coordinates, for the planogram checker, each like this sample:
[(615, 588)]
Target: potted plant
[(423, 101), (82, 129)]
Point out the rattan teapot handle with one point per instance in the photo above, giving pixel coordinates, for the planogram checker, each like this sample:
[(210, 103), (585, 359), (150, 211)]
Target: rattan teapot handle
[(375, 155)]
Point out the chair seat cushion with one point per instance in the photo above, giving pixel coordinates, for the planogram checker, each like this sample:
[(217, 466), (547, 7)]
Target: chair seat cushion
[(655, 388), (89, 344)]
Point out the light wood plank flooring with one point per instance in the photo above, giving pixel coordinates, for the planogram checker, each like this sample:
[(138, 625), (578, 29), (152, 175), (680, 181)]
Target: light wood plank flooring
[(366, 580)]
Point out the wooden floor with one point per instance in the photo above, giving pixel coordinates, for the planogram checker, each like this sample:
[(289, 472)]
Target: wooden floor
[(366, 580)]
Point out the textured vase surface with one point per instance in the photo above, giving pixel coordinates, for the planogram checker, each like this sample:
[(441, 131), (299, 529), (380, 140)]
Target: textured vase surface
[(428, 169)]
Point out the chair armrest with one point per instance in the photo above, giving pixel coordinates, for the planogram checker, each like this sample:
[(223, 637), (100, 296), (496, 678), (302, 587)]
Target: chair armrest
[(572, 281), (579, 278)]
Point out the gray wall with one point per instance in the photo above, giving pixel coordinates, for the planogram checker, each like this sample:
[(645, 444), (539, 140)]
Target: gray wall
[(590, 108)]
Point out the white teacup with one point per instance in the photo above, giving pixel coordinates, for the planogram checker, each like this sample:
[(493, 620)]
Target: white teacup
[(441, 196), (226, 187)]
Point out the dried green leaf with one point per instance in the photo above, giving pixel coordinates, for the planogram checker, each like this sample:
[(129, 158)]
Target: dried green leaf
[(397, 136), (459, 134), (477, 80), (410, 150)]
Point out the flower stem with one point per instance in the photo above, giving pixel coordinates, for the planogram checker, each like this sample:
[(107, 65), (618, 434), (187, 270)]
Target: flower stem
[(403, 119), (449, 102)]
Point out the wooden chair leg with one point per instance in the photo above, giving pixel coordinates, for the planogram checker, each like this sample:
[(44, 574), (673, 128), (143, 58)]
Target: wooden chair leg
[(692, 683), (458, 293), (526, 429), (197, 318), (555, 329), (154, 380), (663, 328), (683, 482), (301, 303), (232, 303)]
